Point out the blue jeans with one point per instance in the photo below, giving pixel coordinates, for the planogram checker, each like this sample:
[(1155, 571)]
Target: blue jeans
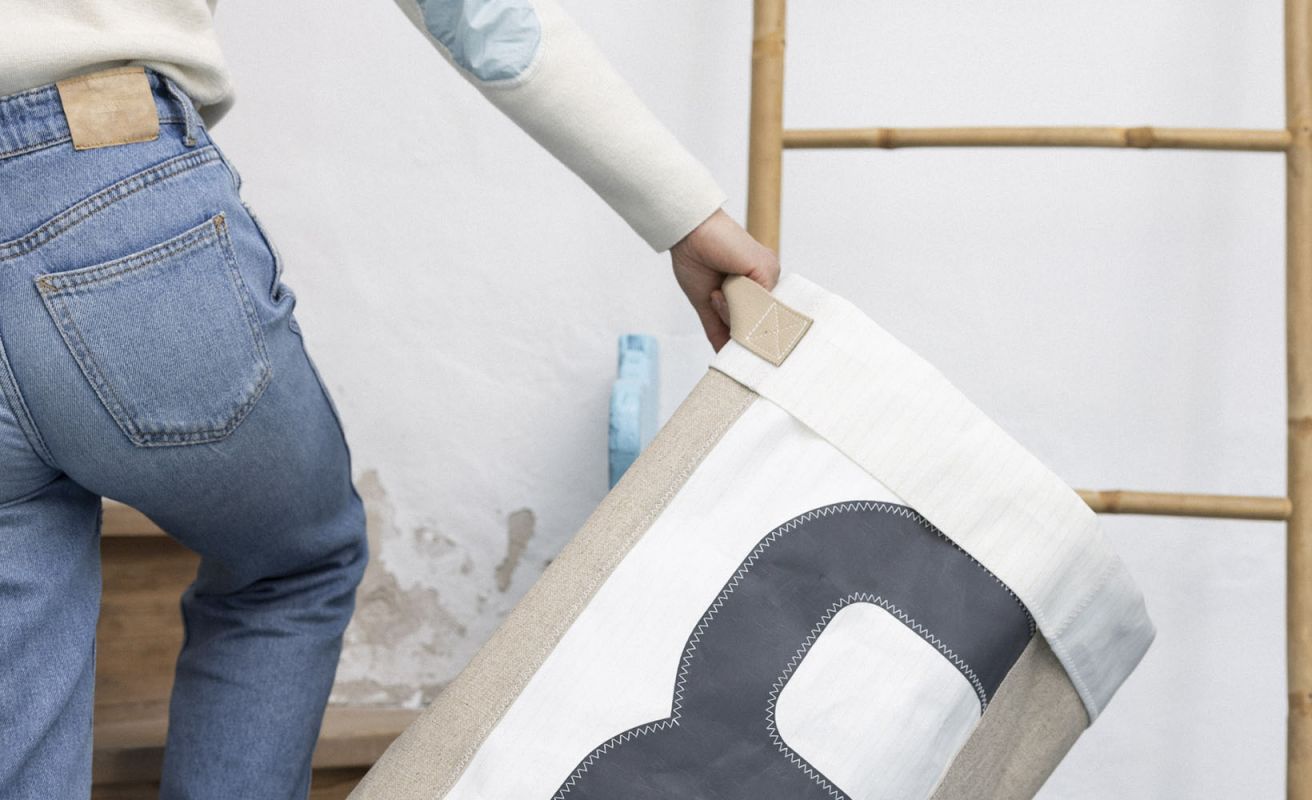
[(148, 353)]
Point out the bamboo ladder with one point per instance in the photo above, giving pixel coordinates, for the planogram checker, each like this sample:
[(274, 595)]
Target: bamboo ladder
[(769, 139)]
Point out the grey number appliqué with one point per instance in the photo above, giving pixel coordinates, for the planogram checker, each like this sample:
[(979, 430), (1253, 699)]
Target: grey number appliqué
[(719, 740)]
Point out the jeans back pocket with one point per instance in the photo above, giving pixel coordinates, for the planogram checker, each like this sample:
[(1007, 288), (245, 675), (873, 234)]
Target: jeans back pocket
[(167, 337)]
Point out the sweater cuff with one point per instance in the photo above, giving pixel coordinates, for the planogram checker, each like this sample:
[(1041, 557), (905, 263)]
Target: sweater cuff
[(688, 206)]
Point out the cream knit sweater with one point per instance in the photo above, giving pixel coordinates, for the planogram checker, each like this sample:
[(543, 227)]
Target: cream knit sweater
[(527, 57)]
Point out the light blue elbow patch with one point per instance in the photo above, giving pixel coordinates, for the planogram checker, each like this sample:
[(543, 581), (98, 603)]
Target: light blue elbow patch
[(493, 39)]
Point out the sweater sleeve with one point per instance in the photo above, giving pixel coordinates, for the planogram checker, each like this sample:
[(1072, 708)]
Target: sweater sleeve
[(533, 62)]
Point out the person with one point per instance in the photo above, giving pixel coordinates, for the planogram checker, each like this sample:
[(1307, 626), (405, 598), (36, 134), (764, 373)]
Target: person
[(149, 353)]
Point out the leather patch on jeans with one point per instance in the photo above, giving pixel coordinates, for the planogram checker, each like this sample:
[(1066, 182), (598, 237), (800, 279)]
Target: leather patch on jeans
[(109, 107)]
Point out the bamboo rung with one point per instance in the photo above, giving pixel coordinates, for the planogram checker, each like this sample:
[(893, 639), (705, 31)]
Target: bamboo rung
[(1116, 501), (1140, 138), (123, 521)]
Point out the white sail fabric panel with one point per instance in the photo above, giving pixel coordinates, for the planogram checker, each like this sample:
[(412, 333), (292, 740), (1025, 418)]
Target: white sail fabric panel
[(829, 576)]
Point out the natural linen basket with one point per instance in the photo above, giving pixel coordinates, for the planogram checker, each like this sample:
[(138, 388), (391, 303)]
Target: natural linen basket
[(830, 575)]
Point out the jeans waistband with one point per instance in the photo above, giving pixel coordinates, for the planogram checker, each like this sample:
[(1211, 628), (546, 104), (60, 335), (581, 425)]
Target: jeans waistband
[(33, 119)]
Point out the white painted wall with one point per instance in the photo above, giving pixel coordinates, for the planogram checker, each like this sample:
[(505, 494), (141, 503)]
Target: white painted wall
[(1119, 312)]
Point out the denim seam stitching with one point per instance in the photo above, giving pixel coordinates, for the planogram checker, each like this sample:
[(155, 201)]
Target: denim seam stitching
[(94, 373), (69, 282), (9, 388), (45, 143), (273, 251), (33, 91), (34, 493), (243, 293), (86, 208), (213, 230), (32, 148), (239, 288)]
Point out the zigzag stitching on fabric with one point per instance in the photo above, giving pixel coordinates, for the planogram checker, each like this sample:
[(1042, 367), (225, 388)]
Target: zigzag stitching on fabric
[(786, 675), (927, 525), (783, 679), (918, 518), (641, 528), (837, 508)]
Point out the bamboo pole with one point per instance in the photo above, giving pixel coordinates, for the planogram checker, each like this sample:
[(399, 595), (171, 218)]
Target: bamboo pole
[(765, 148), (1118, 501), (1142, 137), (768, 140), (1298, 353)]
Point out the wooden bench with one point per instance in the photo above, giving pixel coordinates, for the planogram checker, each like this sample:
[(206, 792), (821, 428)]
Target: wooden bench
[(137, 642)]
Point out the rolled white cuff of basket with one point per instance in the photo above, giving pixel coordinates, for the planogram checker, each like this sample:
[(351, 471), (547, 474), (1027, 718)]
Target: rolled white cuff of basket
[(921, 437)]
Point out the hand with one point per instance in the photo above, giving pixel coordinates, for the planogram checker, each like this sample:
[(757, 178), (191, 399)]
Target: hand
[(701, 260)]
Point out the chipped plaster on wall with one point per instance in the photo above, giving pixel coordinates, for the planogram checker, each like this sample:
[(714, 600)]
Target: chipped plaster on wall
[(421, 602), (461, 293), (519, 530)]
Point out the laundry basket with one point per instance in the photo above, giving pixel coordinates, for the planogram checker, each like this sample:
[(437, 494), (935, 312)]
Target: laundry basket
[(829, 576)]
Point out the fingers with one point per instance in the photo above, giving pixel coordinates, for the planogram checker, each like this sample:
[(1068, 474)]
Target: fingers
[(717, 330), (717, 340), (746, 256), (770, 270), (721, 245), (721, 307), (717, 248), (757, 262)]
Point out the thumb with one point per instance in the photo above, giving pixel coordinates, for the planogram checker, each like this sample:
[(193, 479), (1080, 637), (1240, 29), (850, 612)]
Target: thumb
[(713, 320)]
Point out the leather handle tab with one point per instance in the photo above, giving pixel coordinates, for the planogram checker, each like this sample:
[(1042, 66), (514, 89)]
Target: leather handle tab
[(761, 323)]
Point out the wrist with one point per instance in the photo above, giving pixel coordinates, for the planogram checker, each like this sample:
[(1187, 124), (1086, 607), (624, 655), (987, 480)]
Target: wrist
[(700, 231)]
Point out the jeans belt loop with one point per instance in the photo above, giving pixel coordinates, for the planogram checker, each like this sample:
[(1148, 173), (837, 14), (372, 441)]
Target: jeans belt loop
[(188, 110)]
